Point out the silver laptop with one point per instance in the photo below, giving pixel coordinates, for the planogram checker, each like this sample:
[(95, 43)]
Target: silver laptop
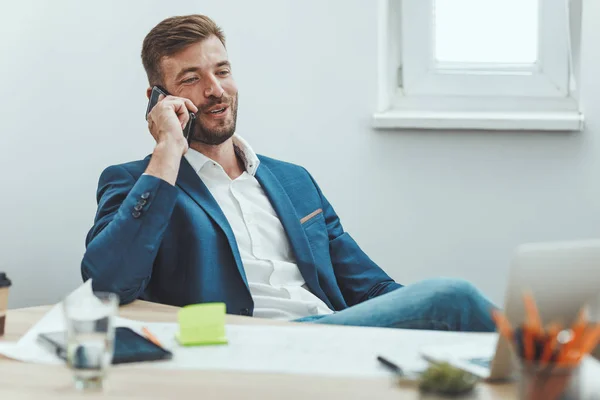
[(563, 276)]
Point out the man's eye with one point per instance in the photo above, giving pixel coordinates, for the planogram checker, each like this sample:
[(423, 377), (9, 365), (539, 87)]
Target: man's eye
[(190, 80), (223, 73)]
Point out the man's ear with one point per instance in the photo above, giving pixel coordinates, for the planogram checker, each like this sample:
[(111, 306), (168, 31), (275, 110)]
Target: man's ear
[(148, 92)]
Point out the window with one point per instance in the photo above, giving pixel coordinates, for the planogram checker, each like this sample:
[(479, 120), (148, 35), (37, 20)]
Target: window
[(485, 39), (478, 64)]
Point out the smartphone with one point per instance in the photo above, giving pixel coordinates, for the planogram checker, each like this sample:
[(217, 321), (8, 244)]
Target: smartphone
[(156, 92), (129, 346)]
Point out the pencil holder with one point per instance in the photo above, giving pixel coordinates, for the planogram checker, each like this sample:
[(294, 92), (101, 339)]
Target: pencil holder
[(549, 382)]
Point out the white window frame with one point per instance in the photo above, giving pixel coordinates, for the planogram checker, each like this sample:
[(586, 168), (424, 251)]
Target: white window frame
[(415, 91)]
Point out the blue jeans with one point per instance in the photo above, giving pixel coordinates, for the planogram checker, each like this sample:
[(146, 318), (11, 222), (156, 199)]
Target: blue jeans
[(434, 304)]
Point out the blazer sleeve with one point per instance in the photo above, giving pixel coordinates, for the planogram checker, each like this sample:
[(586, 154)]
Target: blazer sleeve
[(359, 277), (128, 228)]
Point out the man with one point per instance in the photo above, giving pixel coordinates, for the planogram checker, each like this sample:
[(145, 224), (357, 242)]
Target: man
[(210, 221)]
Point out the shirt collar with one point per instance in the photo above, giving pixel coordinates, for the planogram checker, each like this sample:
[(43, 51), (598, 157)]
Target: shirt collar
[(242, 149)]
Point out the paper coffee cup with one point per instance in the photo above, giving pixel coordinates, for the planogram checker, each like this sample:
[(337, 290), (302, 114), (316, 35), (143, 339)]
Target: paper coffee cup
[(4, 286)]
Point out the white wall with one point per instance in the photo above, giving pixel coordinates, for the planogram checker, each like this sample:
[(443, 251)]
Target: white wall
[(422, 204)]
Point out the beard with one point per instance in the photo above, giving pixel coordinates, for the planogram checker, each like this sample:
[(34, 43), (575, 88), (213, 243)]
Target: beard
[(224, 129)]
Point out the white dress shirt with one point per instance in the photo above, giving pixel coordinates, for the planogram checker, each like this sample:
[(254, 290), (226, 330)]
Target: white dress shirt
[(276, 285)]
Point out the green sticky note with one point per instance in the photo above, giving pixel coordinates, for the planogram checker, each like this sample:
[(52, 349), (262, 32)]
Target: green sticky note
[(202, 324)]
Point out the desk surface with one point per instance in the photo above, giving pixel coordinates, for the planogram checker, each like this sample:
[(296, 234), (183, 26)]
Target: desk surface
[(28, 381)]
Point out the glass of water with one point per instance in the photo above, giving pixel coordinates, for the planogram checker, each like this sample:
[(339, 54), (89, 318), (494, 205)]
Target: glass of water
[(90, 337)]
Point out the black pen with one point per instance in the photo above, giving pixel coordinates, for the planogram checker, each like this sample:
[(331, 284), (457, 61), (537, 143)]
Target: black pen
[(391, 366)]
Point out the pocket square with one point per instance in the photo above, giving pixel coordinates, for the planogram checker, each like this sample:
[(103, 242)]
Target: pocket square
[(311, 215)]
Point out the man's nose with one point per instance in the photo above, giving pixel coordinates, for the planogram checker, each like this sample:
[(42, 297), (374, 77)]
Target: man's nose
[(213, 88)]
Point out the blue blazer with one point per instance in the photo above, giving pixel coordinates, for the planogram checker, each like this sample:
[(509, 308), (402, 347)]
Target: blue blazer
[(173, 244)]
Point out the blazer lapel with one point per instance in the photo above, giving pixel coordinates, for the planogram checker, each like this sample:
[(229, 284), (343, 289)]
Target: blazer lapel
[(189, 181), (291, 222)]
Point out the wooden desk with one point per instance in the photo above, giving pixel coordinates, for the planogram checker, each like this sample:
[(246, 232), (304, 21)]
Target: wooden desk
[(30, 381)]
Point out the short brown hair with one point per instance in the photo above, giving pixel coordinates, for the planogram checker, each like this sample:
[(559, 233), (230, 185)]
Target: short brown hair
[(172, 35)]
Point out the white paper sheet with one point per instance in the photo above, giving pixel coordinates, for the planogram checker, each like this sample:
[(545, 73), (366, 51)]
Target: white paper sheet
[(315, 349)]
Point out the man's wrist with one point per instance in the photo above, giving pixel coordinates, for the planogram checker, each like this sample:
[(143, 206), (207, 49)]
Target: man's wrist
[(170, 148), (165, 161)]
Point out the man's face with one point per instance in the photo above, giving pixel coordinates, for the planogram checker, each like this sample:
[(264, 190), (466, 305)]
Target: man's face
[(202, 73)]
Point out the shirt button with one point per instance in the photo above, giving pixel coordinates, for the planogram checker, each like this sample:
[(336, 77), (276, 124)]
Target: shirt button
[(145, 195), (138, 207), (136, 214), (245, 311)]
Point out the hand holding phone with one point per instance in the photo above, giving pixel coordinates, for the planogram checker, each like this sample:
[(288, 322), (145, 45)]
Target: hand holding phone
[(168, 115)]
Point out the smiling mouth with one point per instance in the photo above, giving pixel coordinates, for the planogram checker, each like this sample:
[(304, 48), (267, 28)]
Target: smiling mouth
[(218, 111)]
